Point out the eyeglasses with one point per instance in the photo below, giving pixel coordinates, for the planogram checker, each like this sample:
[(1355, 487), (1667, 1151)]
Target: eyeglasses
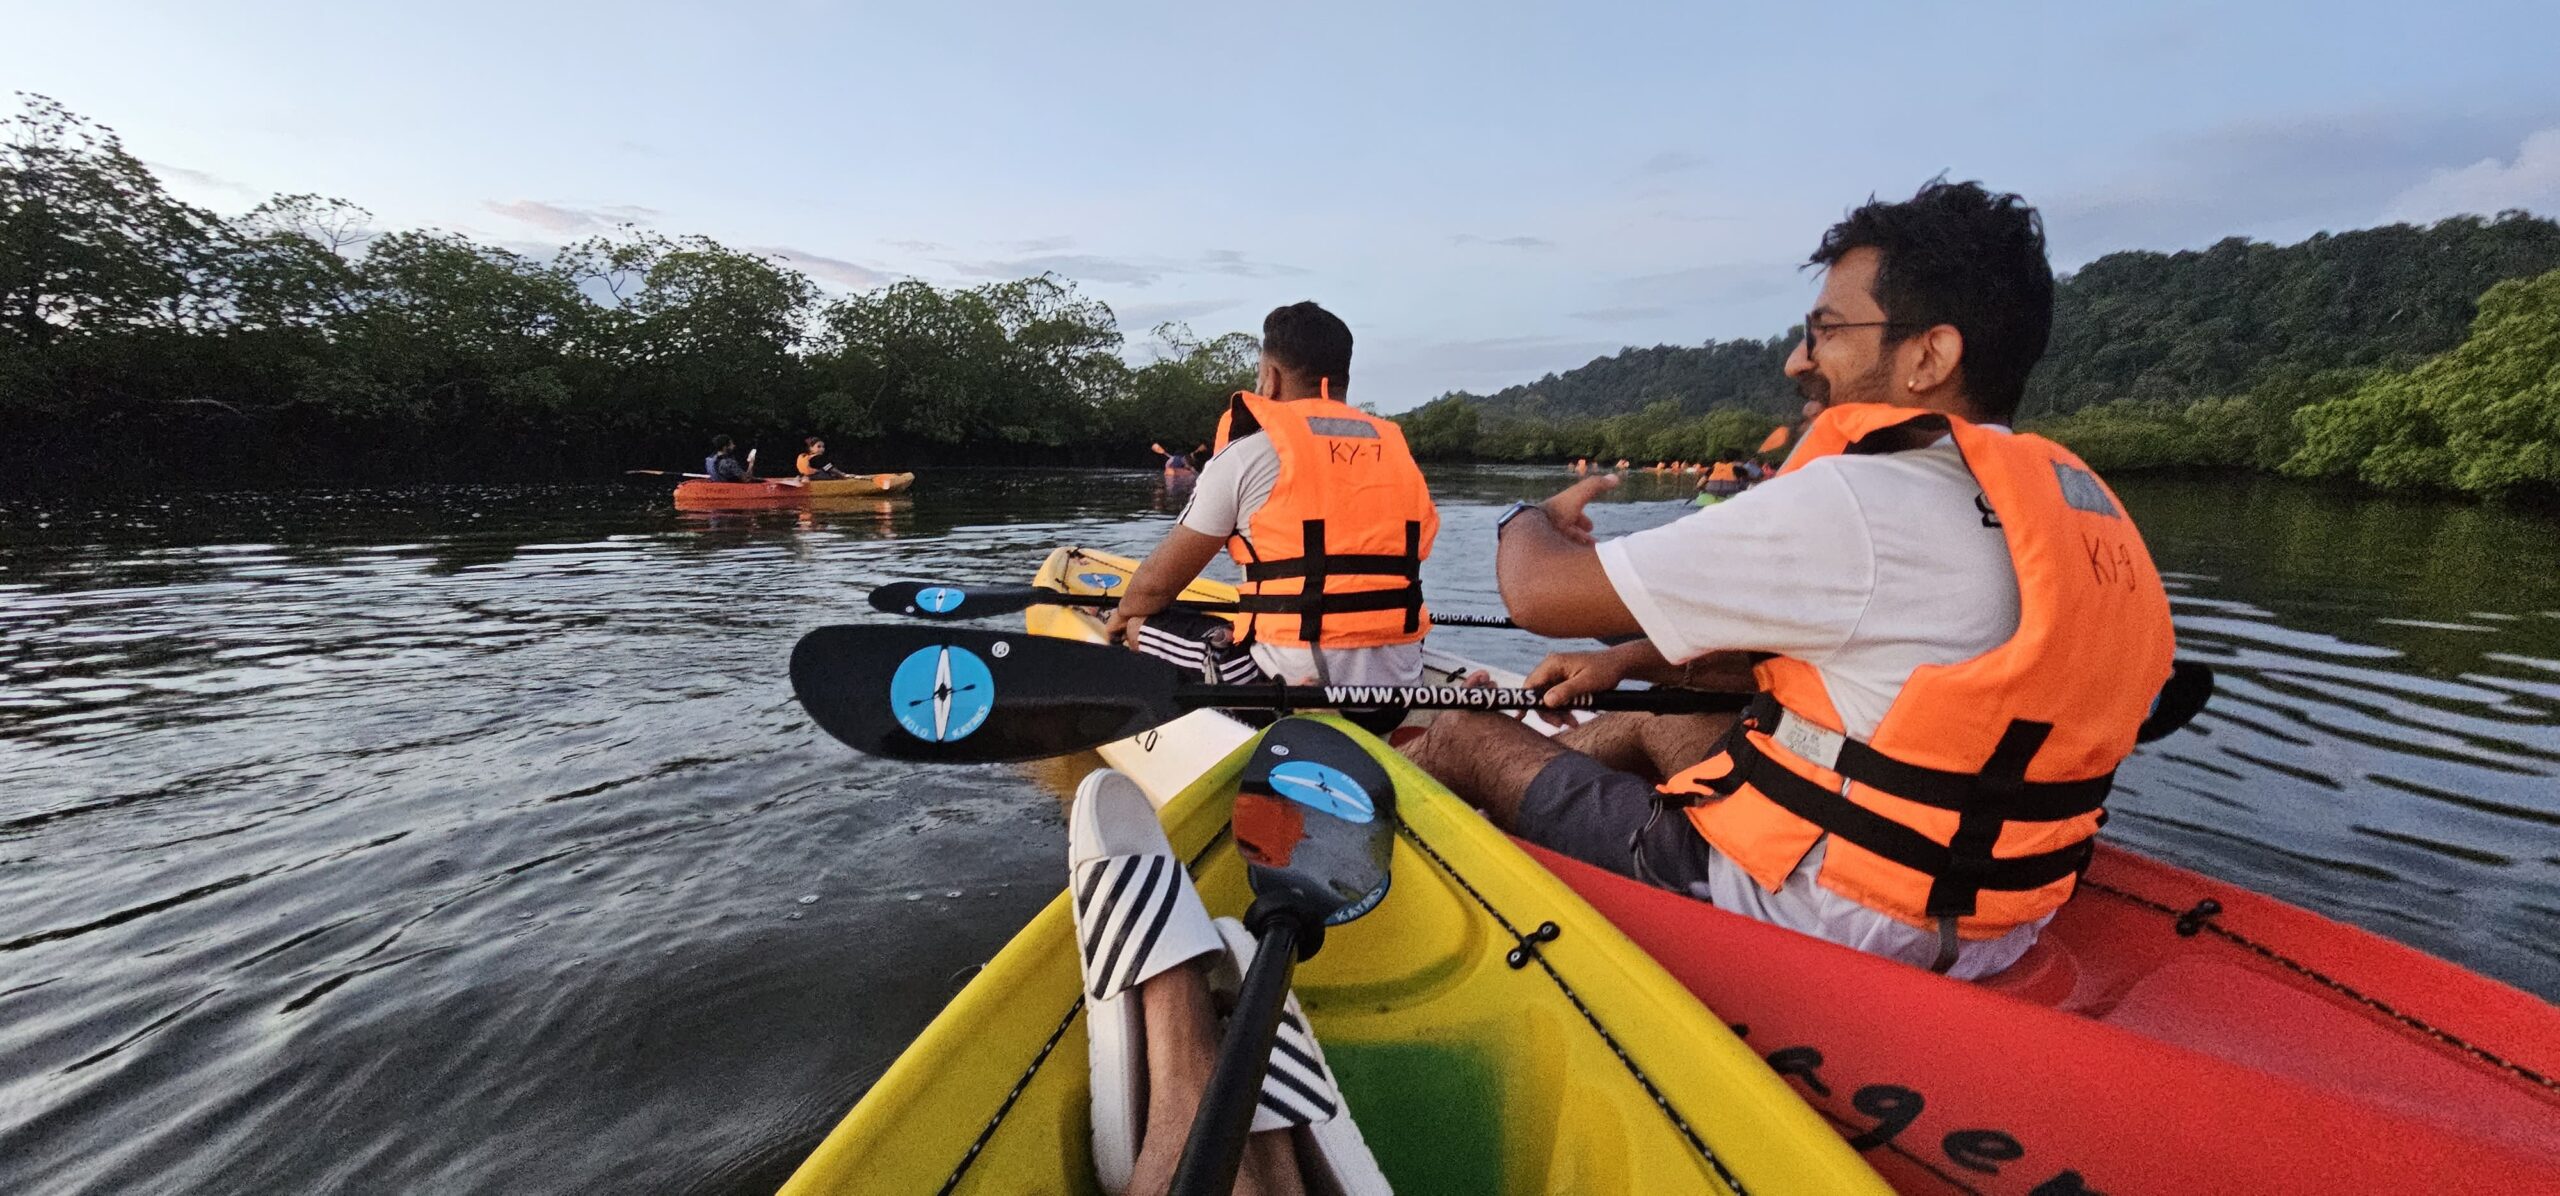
[(1812, 330)]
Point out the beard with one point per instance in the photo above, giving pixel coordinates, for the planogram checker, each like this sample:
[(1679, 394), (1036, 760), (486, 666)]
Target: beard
[(1816, 392)]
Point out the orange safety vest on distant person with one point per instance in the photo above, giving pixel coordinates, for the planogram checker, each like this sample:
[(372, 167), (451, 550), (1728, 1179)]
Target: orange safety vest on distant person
[(1725, 471), (1335, 555), (807, 470), (1979, 796)]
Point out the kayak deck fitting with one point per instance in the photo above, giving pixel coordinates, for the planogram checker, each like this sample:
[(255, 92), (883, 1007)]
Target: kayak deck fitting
[(2168, 1032)]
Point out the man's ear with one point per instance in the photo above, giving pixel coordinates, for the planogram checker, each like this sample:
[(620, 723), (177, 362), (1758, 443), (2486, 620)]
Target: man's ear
[(1938, 362)]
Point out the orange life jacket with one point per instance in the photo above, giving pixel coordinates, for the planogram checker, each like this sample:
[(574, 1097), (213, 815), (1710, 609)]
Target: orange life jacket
[(1725, 471), (1979, 796), (1335, 555), (806, 469)]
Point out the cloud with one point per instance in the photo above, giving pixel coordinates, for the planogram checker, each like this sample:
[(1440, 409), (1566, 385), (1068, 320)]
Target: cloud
[(566, 220), (2489, 186), (919, 246), (1723, 283), (1621, 315), (1505, 242), (1040, 244), (830, 269), (2273, 178), (1124, 271), (1233, 261), (1082, 267), (198, 178), (1671, 162), (1148, 315)]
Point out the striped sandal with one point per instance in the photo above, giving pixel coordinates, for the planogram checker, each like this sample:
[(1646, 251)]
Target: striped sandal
[(1298, 1090), (1136, 916)]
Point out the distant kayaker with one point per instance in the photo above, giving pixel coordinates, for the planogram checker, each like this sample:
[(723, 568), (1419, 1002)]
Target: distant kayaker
[(1174, 462), (814, 463), (1956, 629), (1323, 507), (723, 464), (1724, 479)]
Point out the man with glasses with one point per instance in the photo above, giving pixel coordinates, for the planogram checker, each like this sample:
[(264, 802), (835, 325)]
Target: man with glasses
[(1954, 630)]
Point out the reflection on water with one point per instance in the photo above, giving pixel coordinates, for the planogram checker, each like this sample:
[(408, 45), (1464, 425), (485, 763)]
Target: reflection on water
[(468, 838)]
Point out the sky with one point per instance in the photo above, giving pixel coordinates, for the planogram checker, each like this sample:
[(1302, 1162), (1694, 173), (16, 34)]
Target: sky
[(1486, 192)]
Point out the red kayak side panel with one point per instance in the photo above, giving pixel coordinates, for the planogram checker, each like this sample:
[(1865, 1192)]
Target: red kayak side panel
[(2124, 1056)]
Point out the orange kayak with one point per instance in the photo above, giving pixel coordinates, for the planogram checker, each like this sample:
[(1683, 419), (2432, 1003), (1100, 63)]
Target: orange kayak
[(2168, 1033), (699, 492)]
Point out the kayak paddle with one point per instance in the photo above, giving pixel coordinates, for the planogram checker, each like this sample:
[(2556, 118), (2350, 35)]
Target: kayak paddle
[(966, 696), (671, 473), (1315, 822), (937, 600)]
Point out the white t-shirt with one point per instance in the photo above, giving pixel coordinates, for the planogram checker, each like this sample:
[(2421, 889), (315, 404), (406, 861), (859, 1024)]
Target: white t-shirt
[(1234, 485), (1865, 567)]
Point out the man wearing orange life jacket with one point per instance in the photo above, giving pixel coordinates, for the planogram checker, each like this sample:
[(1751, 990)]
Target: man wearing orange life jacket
[(1955, 629), (1322, 506)]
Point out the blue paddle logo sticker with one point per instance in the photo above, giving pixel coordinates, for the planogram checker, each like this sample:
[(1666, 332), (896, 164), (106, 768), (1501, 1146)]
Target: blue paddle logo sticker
[(940, 599), (942, 693), (1101, 581), (1324, 787)]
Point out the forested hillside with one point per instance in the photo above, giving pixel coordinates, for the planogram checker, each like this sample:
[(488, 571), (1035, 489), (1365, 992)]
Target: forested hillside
[(2244, 333)]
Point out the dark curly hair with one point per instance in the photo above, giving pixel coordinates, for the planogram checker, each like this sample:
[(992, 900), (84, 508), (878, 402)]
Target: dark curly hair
[(1310, 341), (1958, 254)]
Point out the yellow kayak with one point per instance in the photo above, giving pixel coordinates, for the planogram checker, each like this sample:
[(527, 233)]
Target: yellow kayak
[(1490, 1031)]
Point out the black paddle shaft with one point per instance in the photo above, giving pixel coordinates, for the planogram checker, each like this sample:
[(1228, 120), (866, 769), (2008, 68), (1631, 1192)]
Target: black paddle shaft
[(939, 601), (1215, 1150)]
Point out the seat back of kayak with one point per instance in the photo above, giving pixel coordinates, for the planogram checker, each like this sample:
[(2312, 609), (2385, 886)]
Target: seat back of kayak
[(1575, 1064)]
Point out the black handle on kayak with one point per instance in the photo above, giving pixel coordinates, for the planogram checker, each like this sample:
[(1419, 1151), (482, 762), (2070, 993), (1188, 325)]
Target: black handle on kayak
[(1314, 819), (1215, 1149)]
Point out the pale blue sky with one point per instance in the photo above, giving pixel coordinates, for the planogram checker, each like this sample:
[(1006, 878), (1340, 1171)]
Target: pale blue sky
[(1485, 191)]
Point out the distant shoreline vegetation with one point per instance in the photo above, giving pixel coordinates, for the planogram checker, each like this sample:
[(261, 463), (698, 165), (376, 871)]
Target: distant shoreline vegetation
[(144, 341), (2399, 357)]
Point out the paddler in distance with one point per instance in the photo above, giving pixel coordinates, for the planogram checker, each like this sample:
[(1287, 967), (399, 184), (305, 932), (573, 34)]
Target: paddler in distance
[(813, 462), (1324, 508), (1955, 630), (723, 464)]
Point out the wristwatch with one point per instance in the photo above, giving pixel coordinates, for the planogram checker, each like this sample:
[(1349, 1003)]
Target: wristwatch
[(1514, 512)]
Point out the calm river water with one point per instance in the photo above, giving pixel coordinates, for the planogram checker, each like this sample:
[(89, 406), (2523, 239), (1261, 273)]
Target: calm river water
[(470, 840)]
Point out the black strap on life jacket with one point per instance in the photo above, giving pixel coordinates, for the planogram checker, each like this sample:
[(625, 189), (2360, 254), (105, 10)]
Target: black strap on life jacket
[(1983, 802), (1311, 603)]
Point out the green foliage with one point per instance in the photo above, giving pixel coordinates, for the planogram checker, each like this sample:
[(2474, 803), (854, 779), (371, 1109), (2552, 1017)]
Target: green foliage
[(2225, 320), (1443, 429), (2248, 431), (2195, 358), (87, 236), (141, 333), (2483, 418)]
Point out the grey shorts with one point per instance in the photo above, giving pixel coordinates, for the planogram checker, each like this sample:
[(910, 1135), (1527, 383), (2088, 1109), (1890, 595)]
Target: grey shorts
[(1600, 816)]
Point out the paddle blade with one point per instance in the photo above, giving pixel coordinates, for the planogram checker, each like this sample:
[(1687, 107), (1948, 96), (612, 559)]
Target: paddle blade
[(1315, 822), (936, 600), (956, 695)]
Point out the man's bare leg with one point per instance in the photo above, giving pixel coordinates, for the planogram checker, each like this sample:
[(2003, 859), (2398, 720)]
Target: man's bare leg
[(1182, 1049), (1486, 759), (1649, 745)]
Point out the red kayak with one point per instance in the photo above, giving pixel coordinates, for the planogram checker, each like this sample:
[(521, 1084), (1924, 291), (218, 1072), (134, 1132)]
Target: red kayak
[(2168, 1033)]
